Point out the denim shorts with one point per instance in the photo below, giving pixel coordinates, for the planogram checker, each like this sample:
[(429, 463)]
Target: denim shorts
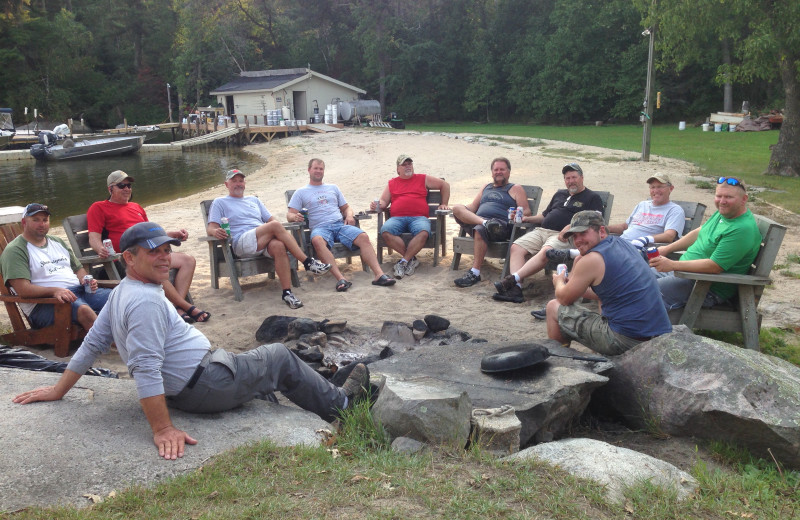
[(676, 291), (399, 225), (337, 232), (44, 314)]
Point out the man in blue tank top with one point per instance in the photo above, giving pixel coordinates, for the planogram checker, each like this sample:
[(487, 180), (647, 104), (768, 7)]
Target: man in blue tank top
[(487, 215), (610, 270)]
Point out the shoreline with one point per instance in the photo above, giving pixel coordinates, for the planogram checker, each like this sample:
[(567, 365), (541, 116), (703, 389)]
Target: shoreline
[(361, 162)]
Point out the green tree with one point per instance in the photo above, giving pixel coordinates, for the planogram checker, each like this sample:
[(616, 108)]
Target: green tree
[(764, 45)]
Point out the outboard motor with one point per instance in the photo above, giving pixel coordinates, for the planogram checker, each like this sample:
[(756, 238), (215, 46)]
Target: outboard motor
[(47, 138)]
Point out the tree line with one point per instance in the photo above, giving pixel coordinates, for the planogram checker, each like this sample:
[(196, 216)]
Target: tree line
[(544, 61)]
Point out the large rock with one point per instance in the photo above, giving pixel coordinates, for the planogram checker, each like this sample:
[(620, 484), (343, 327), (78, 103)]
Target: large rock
[(547, 397), (689, 385), (424, 411), (614, 467), (274, 329), (397, 332)]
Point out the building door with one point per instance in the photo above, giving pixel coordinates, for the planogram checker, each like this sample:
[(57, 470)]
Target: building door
[(229, 106), (300, 108)]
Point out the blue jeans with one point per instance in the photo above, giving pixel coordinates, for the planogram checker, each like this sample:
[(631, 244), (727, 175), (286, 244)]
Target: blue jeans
[(340, 231), (44, 314), (398, 225), (676, 291)]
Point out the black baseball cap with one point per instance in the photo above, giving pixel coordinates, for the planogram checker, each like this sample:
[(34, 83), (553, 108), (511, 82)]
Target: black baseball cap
[(34, 208)]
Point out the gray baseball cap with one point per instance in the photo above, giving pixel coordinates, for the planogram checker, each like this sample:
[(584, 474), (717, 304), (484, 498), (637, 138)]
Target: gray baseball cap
[(148, 235), (571, 167)]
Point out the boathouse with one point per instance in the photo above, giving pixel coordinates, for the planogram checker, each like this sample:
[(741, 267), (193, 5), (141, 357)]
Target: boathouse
[(302, 90)]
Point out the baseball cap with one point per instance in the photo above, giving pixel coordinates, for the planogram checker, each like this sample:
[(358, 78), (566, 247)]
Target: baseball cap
[(118, 176), (34, 208), (403, 158), (584, 220), (230, 174), (145, 234), (571, 167), (660, 177)]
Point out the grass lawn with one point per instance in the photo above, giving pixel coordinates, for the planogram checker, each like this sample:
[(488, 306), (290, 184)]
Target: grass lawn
[(739, 154)]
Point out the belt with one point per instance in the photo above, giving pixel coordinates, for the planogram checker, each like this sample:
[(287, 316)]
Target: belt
[(199, 370), (645, 338)]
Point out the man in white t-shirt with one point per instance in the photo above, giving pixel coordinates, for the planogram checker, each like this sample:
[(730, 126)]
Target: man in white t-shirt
[(330, 219), (254, 232), (38, 265)]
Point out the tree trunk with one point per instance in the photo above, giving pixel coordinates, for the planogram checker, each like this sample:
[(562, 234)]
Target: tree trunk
[(785, 160), (727, 88)]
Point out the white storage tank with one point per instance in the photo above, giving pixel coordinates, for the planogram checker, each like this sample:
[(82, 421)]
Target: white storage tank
[(362, 107)]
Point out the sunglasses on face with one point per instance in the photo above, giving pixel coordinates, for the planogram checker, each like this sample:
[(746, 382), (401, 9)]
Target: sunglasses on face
[(730, 181), (123, 185)]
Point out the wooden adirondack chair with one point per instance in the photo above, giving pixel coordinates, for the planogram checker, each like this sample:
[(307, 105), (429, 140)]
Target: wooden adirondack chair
[(77, 229), (436, 238), (741, 313), (60, 334), (224, 263), (464, 244), (338, 250)]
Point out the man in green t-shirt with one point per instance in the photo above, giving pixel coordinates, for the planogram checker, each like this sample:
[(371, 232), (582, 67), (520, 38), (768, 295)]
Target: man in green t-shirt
[(727, 242), (38, 265)]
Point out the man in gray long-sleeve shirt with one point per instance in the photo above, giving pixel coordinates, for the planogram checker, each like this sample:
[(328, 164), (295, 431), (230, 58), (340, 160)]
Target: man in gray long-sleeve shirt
[(172, 362)]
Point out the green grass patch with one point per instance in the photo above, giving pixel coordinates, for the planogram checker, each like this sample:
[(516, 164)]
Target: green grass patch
[(738, 154), (783, 343)]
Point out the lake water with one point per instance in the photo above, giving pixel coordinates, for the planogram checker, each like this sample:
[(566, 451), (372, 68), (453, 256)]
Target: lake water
[(69, 188)]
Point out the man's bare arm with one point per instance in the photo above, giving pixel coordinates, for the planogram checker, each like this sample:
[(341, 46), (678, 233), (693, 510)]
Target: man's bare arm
[(169, 440)]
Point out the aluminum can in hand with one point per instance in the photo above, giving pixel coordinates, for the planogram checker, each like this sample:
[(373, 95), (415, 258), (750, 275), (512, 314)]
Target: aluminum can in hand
[(562, 269), (652, 252), (109, 246), (87, 283)]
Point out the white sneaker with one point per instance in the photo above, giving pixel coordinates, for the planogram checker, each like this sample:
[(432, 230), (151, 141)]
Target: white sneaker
[(399, 269), (317, 267), (292, 301), (411, 266)]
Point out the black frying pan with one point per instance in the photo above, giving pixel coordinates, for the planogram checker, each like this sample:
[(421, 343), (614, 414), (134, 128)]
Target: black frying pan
[(522, 356)]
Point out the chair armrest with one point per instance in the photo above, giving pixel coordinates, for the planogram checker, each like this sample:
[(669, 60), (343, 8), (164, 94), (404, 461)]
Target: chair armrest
[(107, 284), (96, 259), (20, 299), (444, 212), (740, 279), (293, 226), (212, 239)]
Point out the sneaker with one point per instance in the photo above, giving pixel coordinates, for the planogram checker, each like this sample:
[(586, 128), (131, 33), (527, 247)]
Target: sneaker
[(559, 256), (399, 269), (513, 295), (540, 314), (292, 301), (506, 284), (357, 384), (411, 266), (317, 267), (468, 280)]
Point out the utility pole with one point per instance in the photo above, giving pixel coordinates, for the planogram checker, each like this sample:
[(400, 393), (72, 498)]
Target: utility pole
[(169, 102), (647, 112)]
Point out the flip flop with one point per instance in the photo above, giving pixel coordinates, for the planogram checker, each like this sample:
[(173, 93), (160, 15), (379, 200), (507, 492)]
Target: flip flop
[(185, 317), (384, 281), (342, 285), (200, 317)]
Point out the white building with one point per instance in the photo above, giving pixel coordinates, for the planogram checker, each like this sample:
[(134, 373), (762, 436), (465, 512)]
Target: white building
[(302, 90)]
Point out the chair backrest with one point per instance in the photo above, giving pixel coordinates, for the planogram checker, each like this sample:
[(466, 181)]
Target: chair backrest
[(608, 201), (534, 194), (772, 235), (693, 212), (205, 207), (9, 232), (76, 228)]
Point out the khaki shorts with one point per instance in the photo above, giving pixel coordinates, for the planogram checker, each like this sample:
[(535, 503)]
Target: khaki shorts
[(537, 238), (591, 329), (245, 246)]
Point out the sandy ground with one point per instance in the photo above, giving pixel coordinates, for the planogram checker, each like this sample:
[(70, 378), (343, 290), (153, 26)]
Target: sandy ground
[(361, 162)]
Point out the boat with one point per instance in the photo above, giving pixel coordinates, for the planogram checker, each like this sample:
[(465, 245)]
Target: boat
[(51, 149), (7, 129)]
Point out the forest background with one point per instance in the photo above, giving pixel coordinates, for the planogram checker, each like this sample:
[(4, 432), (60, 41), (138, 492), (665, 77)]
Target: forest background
[(544, 61)]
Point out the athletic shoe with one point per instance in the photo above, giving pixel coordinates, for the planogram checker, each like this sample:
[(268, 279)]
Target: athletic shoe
[(560, 256), (506, 284), (468, 280), (292, 301), (513, 295), (411, 266), (357, 384), (399, 269), (317, 267), (540, 314)]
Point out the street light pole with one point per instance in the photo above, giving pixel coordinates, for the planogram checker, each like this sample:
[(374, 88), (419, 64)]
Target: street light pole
[(169, 102), (647, 113)]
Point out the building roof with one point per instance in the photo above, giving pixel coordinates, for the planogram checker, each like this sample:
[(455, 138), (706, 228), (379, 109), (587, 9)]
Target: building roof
[(274, 80)]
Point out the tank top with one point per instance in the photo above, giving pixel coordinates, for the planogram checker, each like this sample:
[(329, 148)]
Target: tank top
[(495, 202), (409, 196)]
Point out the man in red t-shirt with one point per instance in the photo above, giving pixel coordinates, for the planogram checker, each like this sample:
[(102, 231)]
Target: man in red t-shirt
[(407, 193), (115, 215)]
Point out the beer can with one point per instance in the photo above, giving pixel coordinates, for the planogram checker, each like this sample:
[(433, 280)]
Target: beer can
[(519, 215), (652, 252), (377, 205), (109, 246), (304, 212), (224, 224), (512, 214), (87, 283), (561, 269)]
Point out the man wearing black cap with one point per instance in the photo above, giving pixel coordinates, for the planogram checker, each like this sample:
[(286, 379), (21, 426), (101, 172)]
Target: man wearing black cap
[(564, 204), (172, 363), (610, 270), (38, 265)]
